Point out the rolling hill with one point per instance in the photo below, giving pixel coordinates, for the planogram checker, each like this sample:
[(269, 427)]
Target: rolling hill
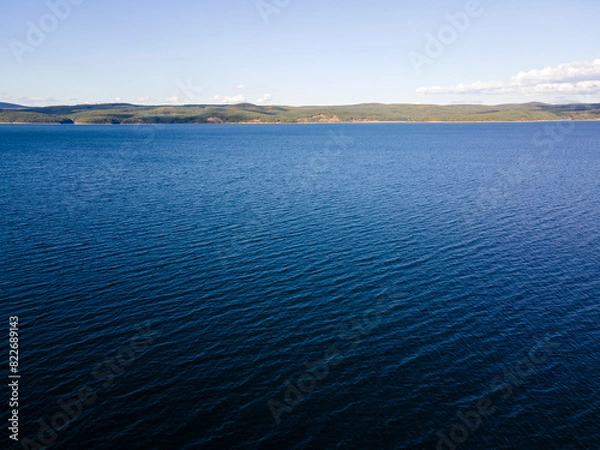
[(10, 106), (124, 113)]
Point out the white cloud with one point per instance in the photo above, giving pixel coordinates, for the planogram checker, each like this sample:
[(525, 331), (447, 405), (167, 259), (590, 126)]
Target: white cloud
[(240, 86), (572, 79), (145, 99), (571, 72), (230, 99), (266, 98), (30, 101), (174, 99)]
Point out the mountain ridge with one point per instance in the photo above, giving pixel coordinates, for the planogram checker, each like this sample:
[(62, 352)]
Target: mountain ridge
[(126, 113)]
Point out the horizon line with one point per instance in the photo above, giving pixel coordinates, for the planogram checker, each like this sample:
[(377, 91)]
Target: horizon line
[(289, 106)]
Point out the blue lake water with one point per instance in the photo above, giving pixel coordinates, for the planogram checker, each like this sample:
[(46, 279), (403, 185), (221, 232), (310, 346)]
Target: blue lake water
[(389, 286)]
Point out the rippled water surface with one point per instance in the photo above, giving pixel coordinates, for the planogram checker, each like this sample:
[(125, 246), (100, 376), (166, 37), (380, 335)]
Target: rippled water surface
[(393, 286)]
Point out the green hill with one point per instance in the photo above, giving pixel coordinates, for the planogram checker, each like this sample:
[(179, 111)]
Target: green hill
[(124, 113)]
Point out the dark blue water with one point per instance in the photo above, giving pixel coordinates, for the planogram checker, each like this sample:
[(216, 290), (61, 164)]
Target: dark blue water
[(387, 286)]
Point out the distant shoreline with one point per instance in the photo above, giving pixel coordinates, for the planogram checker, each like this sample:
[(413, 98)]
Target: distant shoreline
[(458, 122), (250, 114)]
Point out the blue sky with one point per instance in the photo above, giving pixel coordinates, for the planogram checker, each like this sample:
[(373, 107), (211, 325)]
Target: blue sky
[(299, 52)]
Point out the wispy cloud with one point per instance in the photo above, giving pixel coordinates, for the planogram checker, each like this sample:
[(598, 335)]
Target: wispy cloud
[(240, 86), (30, 101), (229, 99), (146, 99), (266, 98), (575, 78)]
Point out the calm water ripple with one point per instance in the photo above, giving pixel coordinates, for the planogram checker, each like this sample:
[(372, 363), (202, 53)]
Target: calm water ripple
[(250, 287)]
